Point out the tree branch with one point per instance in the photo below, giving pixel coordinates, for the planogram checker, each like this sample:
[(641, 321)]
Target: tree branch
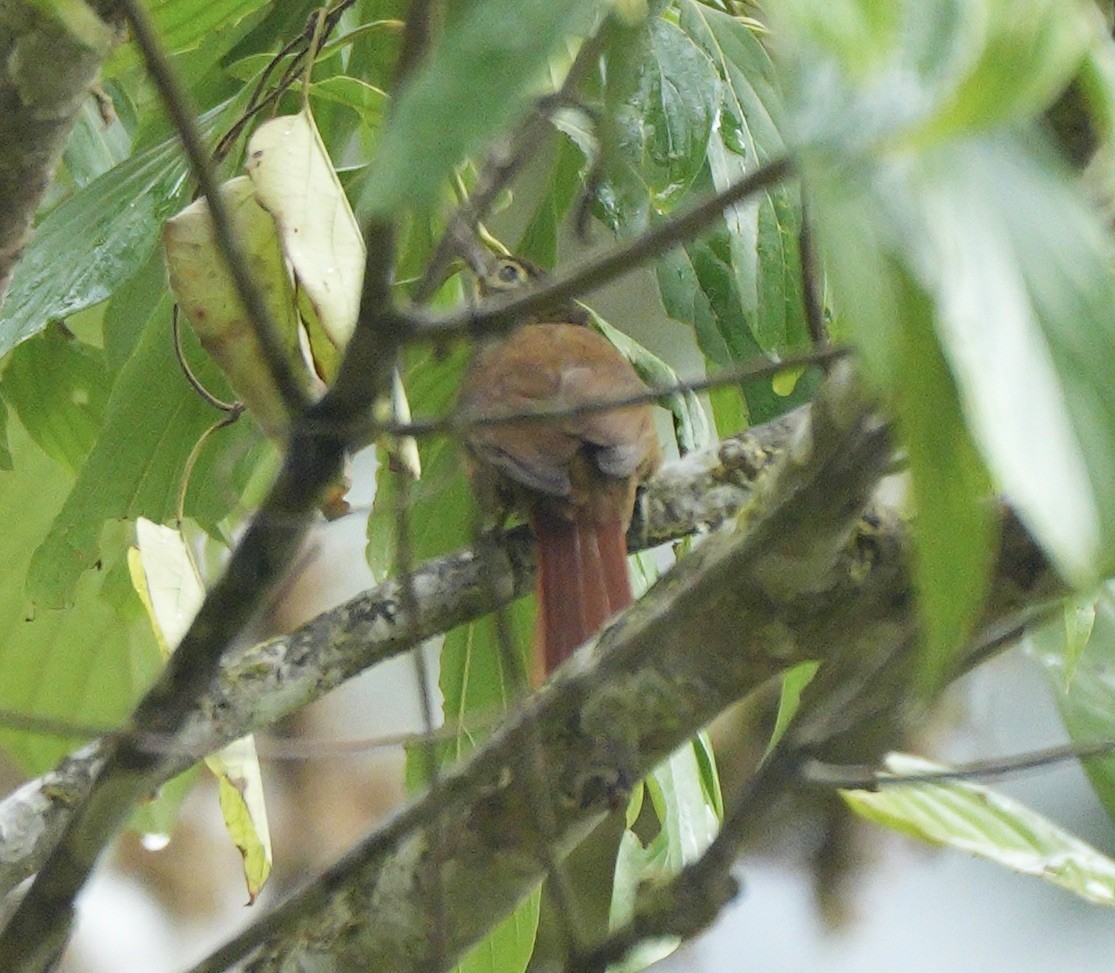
[(49, 60), (753, 601)]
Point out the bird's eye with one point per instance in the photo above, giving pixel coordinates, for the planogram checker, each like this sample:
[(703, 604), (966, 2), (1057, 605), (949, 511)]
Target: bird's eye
[(510, 273)]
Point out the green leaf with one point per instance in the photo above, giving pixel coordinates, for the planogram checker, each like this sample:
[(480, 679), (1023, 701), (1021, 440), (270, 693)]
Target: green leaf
[(762, 233), (368, 101), (94, 241), (1080, 618), (508, 947), (58, 386), (989, 825), (539, 241), (671, 112), (954, 526), (94, 145), (691, 425), (476, 683), (152, 421), (688, 823), (87, 664), (429, 133), (1087, 699), (442, 511), (794, 682), (184, 25)]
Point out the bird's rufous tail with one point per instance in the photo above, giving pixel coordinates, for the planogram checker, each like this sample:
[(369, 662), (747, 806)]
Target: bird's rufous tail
[(582, 583)]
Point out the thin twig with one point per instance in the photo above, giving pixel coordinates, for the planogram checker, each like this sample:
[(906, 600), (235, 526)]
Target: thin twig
[(456, 424), (864, 777), (811, 284), (503, 312), (195, 383), (502, 165), (176, 100)]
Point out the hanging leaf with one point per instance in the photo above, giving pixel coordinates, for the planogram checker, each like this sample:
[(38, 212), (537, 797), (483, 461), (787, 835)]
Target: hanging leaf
[(762, 233), (794, 683), (982, 822), (296, 183), (204, 289), (168, 584)]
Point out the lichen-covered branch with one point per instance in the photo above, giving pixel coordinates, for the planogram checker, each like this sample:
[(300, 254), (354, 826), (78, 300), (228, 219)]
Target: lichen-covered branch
[(799, 578), (49, 59)]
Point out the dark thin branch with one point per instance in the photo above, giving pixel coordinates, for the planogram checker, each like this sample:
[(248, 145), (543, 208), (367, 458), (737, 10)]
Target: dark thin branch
[(503, 312), (863, 777), (811, 284), (416, 39), (177, 103), (501, 167), (457, 424)]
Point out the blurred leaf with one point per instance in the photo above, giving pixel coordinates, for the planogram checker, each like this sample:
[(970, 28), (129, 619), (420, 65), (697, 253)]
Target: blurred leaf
[(989, 825), (1016, 263), (167, 582), (429, 133), (539, 241), (185, 25), (94, 145), (368, 101), (688, 824), (87, 664), (95, 240), (58, 386), (507, 948), (794, 682), (691, 425), (954, 526), (729, 410), (1087, 699), (152, 421), (1080, 618), (1014, 58)]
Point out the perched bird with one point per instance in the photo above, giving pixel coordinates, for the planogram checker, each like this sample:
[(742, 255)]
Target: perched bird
[(574, 478)]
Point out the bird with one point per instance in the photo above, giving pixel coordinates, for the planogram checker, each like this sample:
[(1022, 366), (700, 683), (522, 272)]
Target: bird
[(573, 478)]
